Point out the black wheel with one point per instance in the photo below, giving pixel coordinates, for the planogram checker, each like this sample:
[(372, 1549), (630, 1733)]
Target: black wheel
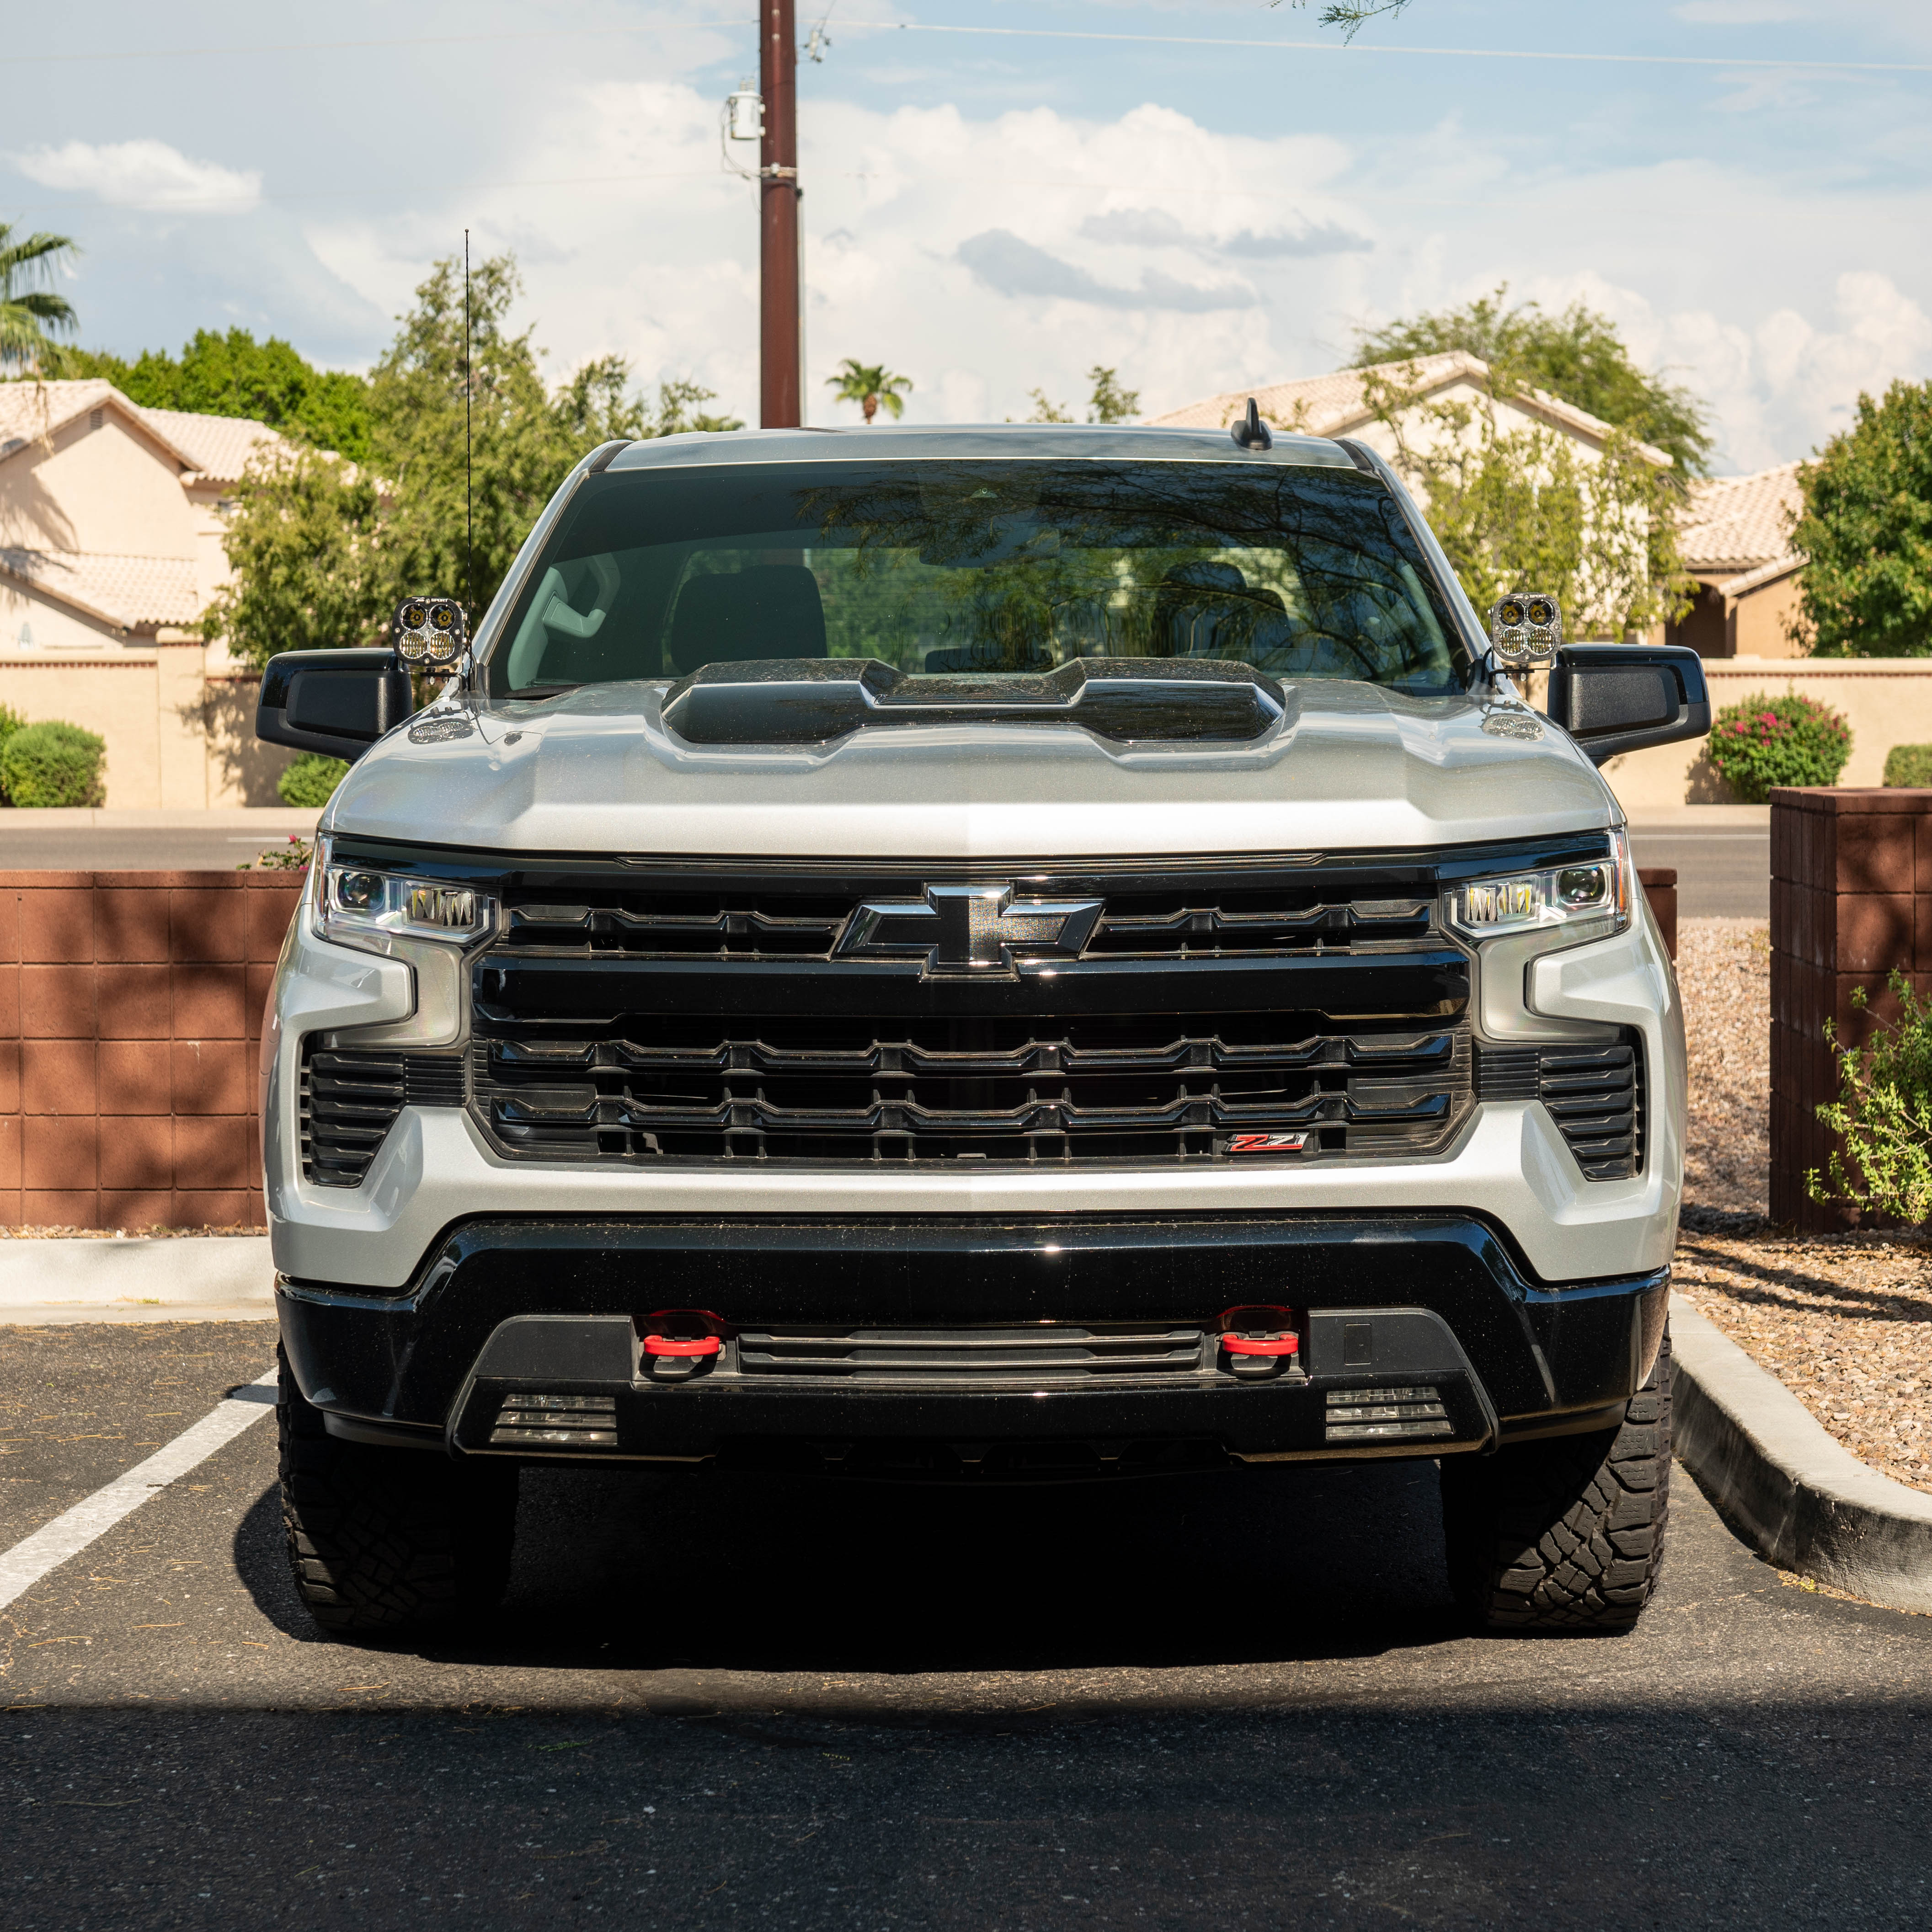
[(1566, 1534), (388, 1539)]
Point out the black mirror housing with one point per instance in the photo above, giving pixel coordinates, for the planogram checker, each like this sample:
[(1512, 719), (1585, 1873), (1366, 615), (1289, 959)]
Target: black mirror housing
[(1614, 698), (338, 703)]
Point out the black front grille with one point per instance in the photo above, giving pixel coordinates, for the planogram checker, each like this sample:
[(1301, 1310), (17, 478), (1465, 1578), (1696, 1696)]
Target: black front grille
[(1593, 1093), (656, 1016), (647, 921), (1034, 1357), (1044, 1088), (350, 1100)]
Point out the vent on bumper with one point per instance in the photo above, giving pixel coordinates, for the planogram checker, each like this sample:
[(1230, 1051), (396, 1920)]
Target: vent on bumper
[(1593, 1093), (1387, 1415), (350, 1100), (1031, 1357), (538, 1422)]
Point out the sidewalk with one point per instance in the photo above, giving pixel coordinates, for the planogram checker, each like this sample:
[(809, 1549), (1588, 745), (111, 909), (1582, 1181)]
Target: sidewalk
[(266, 819), (137, 1278)]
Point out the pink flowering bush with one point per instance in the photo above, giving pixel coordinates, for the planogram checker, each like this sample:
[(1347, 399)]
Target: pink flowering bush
[(1768, 741)]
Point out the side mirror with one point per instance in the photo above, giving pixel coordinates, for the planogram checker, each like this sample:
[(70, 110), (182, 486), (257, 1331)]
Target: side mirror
[(336, 702), (1613, 698)]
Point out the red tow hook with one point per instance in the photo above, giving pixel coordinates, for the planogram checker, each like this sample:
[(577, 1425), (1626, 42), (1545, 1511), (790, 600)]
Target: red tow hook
[(1259, 1344), (691, 1349)]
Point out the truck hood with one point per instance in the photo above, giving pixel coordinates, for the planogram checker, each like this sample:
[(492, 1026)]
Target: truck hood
[(1348, 766)]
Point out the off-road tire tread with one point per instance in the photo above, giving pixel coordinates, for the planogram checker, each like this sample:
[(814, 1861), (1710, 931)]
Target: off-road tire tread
[(388, 1539), (1568, 1534)]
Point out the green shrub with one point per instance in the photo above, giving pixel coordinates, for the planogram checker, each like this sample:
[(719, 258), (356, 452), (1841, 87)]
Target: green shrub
[(311, 779), (1908, 765), (11, 722), (53, 764), (1768, 741), (1884, 1112)]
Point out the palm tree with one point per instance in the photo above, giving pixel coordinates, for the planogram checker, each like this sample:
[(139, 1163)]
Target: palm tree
[(868, 385), (30, 316)]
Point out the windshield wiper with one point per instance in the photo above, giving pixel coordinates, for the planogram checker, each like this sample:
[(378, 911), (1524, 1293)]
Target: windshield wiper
[(542, 691)]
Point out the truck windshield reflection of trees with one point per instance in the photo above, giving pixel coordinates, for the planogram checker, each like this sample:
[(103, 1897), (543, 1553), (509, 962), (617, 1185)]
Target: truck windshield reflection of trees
[(985, 568)]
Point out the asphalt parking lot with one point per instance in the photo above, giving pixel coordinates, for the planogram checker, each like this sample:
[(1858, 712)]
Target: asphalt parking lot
[(1225, 1701)]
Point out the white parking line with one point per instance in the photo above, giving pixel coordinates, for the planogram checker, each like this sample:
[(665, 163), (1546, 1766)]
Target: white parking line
[(74, 1529)]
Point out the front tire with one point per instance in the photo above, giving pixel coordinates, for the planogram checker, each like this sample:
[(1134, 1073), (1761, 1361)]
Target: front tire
[(1566, 1534), (388, 1539)]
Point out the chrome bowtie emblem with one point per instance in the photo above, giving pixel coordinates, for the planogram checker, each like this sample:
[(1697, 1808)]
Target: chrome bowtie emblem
[(969, 929)]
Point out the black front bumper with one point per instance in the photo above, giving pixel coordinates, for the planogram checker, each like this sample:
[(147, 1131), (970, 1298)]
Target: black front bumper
[(543, 1317)]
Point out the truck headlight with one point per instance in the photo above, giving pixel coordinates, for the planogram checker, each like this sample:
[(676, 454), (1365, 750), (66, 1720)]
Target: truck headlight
[(1573, 904), (360, 906)]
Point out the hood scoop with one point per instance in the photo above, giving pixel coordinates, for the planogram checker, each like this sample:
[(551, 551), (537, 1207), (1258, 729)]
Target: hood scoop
[(809, 701)]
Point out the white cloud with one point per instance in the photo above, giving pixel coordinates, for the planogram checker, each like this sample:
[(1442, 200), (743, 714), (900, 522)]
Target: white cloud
[(986, 255), (143, 174), (1780, 384)]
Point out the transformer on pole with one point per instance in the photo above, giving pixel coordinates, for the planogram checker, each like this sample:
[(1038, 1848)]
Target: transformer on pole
[(780, 377)]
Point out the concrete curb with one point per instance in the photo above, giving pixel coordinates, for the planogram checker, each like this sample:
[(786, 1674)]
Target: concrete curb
[(142, 1275), (1802, 1499)]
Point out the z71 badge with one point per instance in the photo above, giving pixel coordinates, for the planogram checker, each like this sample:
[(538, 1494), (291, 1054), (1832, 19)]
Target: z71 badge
[(1267, 1144)]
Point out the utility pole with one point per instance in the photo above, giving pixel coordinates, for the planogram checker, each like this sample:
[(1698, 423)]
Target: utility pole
[(779, 376)]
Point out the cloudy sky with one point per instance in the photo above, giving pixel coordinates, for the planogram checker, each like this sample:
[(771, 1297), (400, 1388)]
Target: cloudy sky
[(1201, 193)]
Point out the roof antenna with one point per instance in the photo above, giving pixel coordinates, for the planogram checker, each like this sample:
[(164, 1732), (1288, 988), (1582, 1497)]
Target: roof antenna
[(1251, 432), (469, 389)]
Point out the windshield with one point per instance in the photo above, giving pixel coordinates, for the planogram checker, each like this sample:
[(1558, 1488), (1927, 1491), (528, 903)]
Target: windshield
[(979, 568)]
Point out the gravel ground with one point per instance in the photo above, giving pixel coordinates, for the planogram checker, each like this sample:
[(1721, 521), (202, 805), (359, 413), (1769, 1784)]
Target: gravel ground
[(1843, 1321)]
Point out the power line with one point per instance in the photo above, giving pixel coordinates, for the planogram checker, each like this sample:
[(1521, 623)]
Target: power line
[(1356, 48), (1369, 47)]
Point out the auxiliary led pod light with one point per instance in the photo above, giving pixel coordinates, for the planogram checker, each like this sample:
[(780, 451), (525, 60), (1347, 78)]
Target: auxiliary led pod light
[(428, 630), (1525, 628)]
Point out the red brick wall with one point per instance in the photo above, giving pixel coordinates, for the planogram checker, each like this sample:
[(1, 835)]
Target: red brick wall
[(1851, 898), (131, 1006)]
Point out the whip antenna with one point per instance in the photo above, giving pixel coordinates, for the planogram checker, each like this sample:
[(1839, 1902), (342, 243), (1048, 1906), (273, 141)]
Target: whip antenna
[(469, 389), (470, 528)]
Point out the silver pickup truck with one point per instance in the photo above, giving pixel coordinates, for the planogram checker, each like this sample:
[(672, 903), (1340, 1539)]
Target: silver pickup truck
[(975, 955)]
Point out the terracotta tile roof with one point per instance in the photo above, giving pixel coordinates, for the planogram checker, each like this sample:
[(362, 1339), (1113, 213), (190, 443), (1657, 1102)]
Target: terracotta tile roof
[(126, 591), (1334, 404), (29, 410), (1741, 523), (218, 446)]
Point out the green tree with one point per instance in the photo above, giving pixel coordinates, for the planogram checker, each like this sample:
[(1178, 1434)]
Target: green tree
[(308, 573), (1108, 402), (1519, 509), (1866, 526), (1577, 356), (31, 313), (869, 385), (1351, 16), (323, 549), (597, 403), (234, 375), (1044, 410)]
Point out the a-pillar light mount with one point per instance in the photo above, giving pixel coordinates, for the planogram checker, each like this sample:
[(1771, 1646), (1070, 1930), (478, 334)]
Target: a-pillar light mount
[(429, 631), (1526, 628)]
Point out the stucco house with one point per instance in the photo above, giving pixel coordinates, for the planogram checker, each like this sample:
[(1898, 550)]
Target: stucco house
[(1339, 404), (1736, 538), (111, 520)]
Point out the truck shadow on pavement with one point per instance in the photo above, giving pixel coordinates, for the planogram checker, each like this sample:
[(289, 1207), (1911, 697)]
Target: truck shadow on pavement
[(618, 1569)]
